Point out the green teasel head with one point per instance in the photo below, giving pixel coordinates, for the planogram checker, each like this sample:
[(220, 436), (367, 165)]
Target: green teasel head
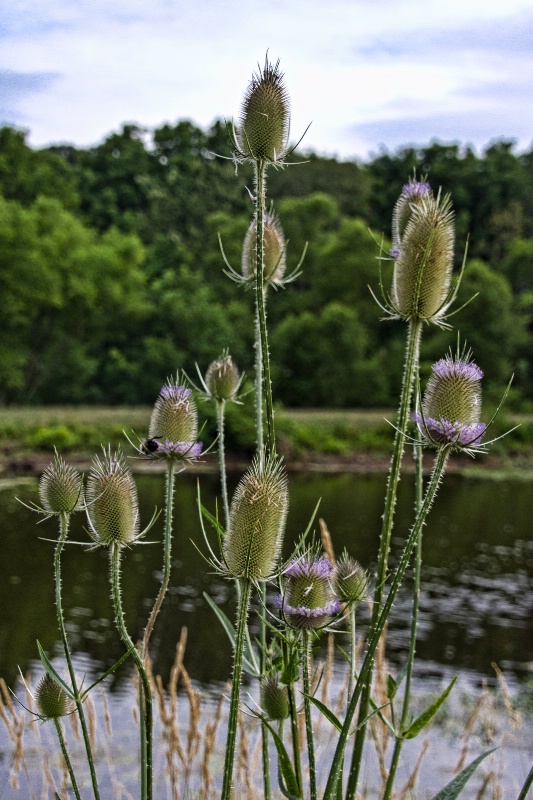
[(174, 416), (350, 580), (423, 265), (61, 488), (222, 378), (274, 252), (258, 512), (308, 598), (274, 697), (264, 127), (410, 196), (112, 504), (51, 698)]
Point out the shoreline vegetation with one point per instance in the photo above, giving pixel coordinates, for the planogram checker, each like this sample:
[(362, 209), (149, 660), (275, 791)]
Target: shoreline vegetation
[(326, 440)]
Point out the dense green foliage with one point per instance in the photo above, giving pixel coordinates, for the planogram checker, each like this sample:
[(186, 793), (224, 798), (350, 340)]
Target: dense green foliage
[(111, 275)]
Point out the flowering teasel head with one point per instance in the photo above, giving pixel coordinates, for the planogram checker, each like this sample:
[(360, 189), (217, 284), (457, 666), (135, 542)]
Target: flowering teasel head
[(410, 196), (51, 699), (60, 488), (274, 252), (274, 697), (452, 404), (222, 380), (308, 599), (263, 133), (112, 504), (258, 511), (423, 269), (173, 428), (350, 580)]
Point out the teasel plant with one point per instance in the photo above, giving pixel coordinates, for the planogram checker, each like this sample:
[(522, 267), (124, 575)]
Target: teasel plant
[(113, 518), (423, 291), (307, 604), (61, 495), (448, 421), (351, 583), (250, 552), (53, 703)]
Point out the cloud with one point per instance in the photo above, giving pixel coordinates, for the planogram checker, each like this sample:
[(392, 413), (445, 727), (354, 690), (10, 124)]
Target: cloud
[(16, 86)]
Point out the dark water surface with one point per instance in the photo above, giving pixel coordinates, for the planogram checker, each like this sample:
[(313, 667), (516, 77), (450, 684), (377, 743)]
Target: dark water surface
[(476, 600)]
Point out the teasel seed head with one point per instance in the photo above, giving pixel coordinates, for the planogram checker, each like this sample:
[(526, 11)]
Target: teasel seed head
[(257, 517), (308, 599), (410, 196), (61, 488), (423, 267), (52, 700), (112, 504), (452, 404), (222, 378), (173, 425), (274, 252), (274, 697), (265, 116), (351, 580)]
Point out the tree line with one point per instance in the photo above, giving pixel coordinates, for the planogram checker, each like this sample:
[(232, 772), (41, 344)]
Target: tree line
[(112, 278)]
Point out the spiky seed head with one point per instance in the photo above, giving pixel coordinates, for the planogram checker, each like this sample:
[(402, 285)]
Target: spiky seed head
[(60, 488), (112, 502), (423, 268), (452, 403), (274, 697), (51, 698), (410, 196), (265, 116), (257, 517), (174, 417), (351, 580), (274, 251), (222, 378), (308, 600)]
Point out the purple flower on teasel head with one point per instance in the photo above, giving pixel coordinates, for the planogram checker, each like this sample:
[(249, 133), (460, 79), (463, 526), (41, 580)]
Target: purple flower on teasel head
[(308, 600), (173, 430), (452, 404), (415, 189)]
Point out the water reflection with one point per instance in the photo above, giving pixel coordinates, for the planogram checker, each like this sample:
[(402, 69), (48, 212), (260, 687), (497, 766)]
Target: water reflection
[(476, 599)]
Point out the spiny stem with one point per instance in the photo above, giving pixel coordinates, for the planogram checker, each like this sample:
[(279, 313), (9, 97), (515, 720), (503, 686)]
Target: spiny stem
[(169, 510), (242, 616), (410, 371), (146, 706), (221, 405), (64, 521), (260, 177), (306, 656), (66, 756), (366, 669)]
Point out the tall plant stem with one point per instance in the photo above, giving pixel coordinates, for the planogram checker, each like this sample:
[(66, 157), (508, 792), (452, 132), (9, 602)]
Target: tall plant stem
[(242, 615), (366, 669), (295, 734), (414, 628), (410, 371), (167, 564), (221, 407), (306, 657), (66, 756), (351, 677), (146, 706), (64, 521), (260, 201)]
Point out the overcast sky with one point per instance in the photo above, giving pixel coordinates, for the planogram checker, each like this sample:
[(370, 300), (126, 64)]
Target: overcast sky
[(365, 73)]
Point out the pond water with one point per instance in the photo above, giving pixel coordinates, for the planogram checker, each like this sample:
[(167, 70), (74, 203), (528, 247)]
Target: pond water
[(476, 597)]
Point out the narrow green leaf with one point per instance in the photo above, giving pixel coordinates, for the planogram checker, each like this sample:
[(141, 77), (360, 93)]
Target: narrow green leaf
[(290, 788), (455, 787), (527, 786), (229, 627), (392, 687), (329, 715), (106, 673), (426, 717), (53, 674)]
